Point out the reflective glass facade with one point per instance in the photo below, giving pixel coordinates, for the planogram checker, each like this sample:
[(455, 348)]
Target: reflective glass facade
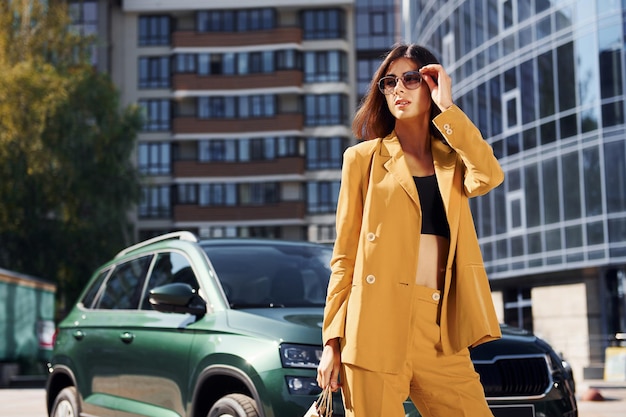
[(544, 81)]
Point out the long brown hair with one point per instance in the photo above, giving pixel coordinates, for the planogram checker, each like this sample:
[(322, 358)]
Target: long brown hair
[(373, 118)]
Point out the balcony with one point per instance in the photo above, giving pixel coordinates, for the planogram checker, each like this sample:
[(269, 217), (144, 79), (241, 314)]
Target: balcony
[(193, 39), (281, 122), (289, 78), (279, 211), (280, 166)]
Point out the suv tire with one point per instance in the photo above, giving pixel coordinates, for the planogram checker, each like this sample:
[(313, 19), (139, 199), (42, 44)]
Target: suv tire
[(233, 405), (65, 404)]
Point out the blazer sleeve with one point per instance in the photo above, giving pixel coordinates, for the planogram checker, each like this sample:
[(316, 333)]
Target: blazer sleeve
[(349, 216), (482, 170)]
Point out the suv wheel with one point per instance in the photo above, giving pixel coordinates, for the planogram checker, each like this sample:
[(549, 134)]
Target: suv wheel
[(65, 404), (233, 405)]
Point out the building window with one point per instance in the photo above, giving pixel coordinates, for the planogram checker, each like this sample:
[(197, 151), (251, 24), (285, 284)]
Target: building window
[(157, 116), (325, 153), (325, 109), (325, 66), (259, 106), (187, 194), (203, 64), (615, 176), (218, 107), (242, 63), (272, 147), (215, 21), (322, 196), (378, 22), (516, 216), (375, 25), (259, 193), (154, 158), (326, 233), (154, 30), (365, 68), (84, 17), (154, 72), (288, 59), (218, 231), (323, 24), (511, 109), (551, 196), (185, 63), (288, 146), (570, 172), (272, 232), (448, 52), (235, 20), (244, 231), (217, 195), (260, 62), (155, 202), (262, 149), (507, 13), (217, 150), (248, 149), (518, 308), (615, 301)]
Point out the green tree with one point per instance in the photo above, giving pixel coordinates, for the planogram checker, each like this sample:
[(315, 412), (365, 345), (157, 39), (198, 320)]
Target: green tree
[(67, 182)]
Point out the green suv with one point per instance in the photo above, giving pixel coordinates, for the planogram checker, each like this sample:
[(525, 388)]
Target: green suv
[(176, 327)]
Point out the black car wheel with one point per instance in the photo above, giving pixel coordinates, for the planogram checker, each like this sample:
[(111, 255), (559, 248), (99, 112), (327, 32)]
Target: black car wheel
[(233, 405), (65, 404)]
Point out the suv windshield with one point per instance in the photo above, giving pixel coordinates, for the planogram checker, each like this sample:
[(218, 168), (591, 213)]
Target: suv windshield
[(266, 274)]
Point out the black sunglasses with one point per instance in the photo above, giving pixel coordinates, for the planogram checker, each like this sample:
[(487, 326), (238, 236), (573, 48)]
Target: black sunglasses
[(410, 79)]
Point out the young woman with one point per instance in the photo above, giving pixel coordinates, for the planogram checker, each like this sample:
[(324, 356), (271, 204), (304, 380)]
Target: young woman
[(408, 292)]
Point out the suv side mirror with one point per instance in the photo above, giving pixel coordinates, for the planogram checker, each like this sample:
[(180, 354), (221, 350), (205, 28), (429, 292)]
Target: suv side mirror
[(177, 297)]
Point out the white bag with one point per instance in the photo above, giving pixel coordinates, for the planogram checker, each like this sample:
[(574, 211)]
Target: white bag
[(323, 406)]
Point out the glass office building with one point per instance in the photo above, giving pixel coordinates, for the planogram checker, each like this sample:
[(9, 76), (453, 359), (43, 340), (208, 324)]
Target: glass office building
[(544, 82)]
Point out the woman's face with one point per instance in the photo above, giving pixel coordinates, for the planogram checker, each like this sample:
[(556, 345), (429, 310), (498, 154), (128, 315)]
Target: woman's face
[(403, 102)]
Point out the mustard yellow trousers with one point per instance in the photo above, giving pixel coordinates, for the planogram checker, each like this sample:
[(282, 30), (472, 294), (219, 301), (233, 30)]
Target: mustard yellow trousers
[(439, 385)]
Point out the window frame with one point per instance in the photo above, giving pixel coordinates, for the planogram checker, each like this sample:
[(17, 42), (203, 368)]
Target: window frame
[(154, 30)]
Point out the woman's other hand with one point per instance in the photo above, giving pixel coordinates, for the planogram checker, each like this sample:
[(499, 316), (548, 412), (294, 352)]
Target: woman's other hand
[(330, 363)]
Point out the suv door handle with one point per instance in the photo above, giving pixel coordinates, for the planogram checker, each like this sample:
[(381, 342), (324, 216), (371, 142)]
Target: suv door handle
[(127, 337), (78, 334)]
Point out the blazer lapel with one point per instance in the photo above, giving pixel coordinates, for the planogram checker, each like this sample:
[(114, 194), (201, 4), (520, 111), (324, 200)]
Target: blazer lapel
[(397, 167)]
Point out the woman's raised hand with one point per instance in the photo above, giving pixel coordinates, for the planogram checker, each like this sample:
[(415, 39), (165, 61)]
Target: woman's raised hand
[(439, 83)]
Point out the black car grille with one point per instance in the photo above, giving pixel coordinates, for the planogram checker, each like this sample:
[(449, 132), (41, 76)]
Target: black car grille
[(514, 376)]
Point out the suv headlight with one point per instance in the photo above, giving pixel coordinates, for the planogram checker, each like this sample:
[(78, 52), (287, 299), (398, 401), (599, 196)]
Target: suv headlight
[(299, 385), (300, 356)]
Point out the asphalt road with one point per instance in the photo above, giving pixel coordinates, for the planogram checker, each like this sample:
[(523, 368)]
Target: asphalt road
[(30, 402)]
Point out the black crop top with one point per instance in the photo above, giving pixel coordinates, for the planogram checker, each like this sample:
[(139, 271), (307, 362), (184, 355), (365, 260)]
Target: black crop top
[(434, 221)]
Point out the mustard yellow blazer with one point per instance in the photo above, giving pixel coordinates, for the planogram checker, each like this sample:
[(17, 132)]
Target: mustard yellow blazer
[(375, 254)]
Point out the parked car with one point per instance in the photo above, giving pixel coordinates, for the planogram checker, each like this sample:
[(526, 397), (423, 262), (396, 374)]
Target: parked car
[(232, 327)]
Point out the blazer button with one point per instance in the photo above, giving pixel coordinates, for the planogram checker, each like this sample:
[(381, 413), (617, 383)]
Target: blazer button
[(370, 279), (447, 128), (371, 236), (436, 296)]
